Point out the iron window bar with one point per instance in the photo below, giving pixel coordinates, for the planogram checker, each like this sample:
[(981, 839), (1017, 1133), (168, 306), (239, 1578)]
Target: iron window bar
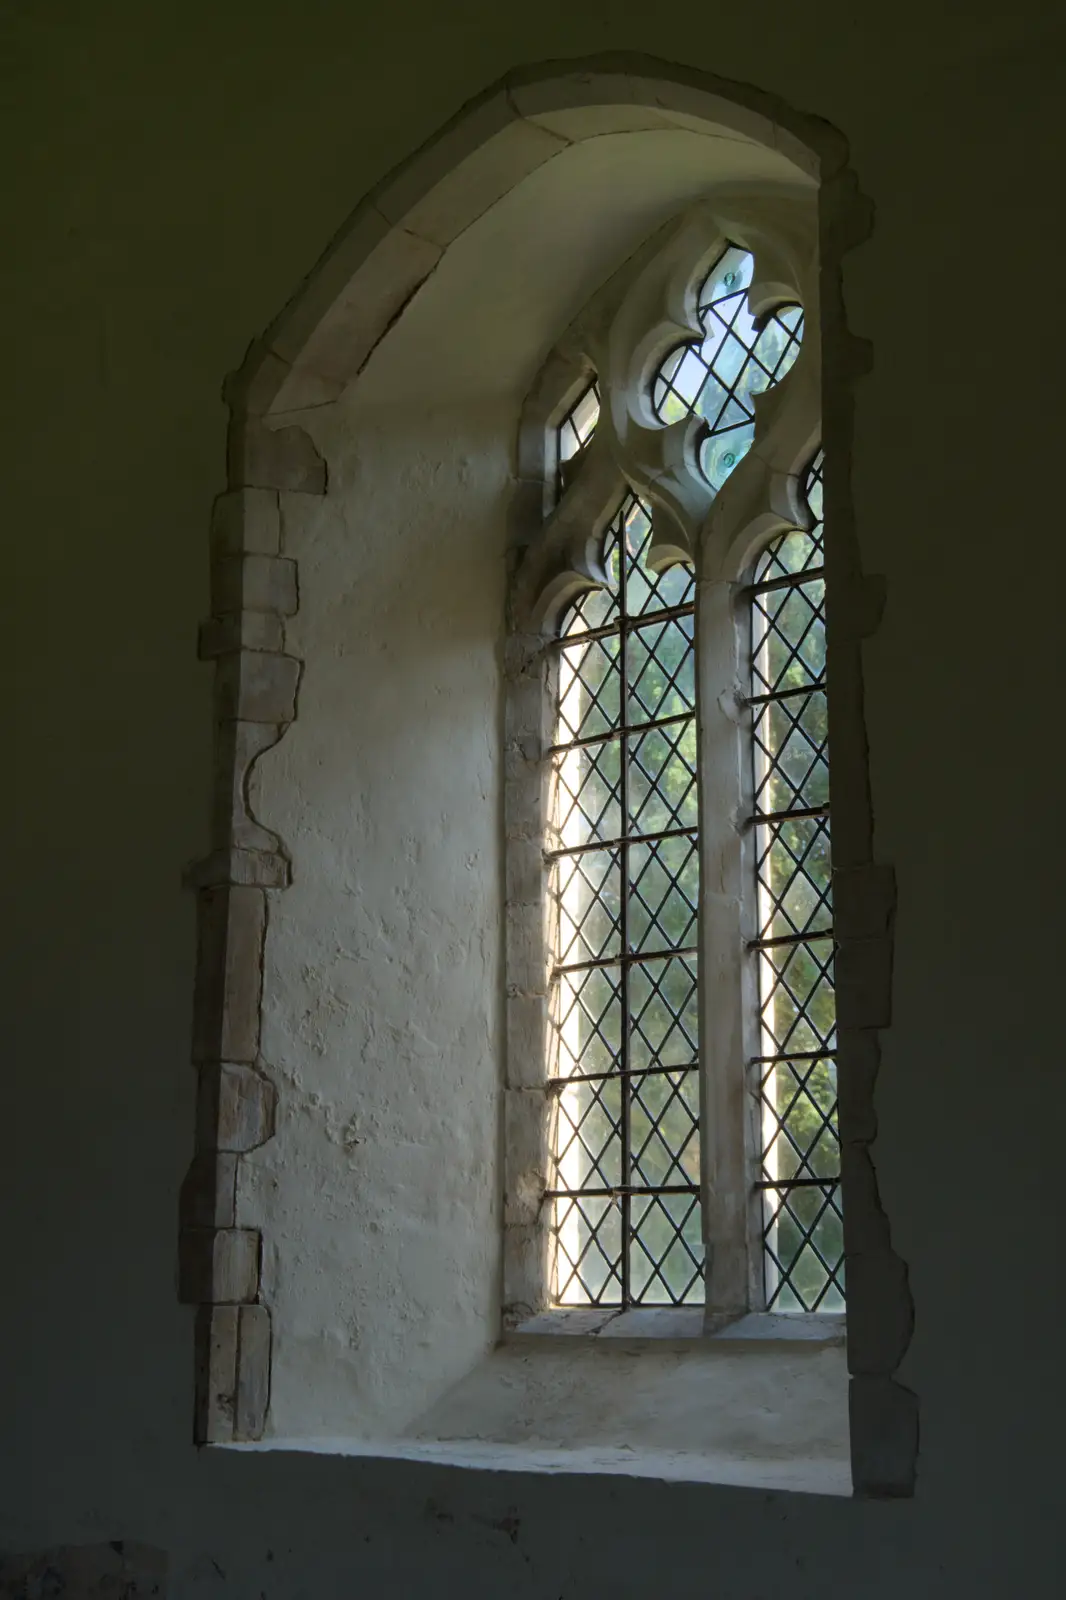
[(584, 740), (611, 844), (624, 958), (787, 580)]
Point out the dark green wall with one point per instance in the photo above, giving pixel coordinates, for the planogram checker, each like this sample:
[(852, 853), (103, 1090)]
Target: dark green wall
[(174, 170)]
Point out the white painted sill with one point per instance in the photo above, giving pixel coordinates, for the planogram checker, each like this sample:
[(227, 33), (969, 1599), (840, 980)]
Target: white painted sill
[(760, 1403)]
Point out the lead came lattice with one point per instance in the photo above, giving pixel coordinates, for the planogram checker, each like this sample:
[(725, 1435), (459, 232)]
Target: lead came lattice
[(795, 1070), (624, 1074)]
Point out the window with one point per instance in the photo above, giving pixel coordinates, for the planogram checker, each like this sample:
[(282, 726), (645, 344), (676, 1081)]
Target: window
[(626, 1189)]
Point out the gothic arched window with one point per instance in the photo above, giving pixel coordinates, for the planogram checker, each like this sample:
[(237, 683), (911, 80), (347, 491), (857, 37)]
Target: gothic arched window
[(643, 451)]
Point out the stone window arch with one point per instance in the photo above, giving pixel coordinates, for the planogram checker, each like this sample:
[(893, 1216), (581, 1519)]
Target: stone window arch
[(251, 1222)]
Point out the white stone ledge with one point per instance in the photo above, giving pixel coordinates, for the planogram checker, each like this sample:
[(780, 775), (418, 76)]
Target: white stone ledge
[(758, 1410)]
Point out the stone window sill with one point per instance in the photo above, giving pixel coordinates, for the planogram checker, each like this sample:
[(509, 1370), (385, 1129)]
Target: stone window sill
[(680, 1325), (760, 1403)]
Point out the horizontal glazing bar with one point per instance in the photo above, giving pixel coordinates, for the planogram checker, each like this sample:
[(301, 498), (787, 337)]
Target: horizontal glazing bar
[(619, 1189), (626, 958), (798, 1183), (791, 938), (774, 695), (613, 844), (626, 624), (792, 1055), (552, 1084), (762, 818), (791, 581), (617, 730)]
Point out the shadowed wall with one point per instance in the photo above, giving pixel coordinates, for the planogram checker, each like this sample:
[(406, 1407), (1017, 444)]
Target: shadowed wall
[(175, 171)]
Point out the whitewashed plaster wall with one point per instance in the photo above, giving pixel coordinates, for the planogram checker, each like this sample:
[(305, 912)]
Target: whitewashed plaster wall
[(383, 960)]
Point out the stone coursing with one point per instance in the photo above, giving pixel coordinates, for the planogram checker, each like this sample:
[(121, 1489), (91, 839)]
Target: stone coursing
[(253, 590)]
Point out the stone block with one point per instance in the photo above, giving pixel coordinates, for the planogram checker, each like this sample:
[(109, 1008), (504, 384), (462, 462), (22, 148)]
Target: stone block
[(858, 606), (218, 1266), (260, 869), (216, 1373), (246, 522), (262, 457), (586, 89), (242, 630), (525, 1270), (527, 1035), (425, 185), (254, 583), (858, 1059), (884, 1438), (864, 983), (254, 686), (232, 923), (525, 871), (253, 1372), (376, 294), (700, 111), (209, 1192), (525, 953), (864, 901), (880, 1312), (465, 189), (235, 1108), (865, 1224), (238, 745), (526, 709), (526, 1130), (577, 123)]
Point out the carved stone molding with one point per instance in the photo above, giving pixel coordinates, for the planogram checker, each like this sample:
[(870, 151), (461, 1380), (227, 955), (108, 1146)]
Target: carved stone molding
[(645, 311)]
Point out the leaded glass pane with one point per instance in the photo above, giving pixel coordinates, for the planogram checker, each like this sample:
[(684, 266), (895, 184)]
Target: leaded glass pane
[(718, 378), (575, 431), (802, 1231), (625, 889)]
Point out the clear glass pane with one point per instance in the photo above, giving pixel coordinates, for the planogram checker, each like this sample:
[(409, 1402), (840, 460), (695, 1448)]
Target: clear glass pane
[(719, 377), (586, 1022)]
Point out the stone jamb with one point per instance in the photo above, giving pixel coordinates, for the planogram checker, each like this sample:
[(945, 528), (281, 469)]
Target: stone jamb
[(307, 356)]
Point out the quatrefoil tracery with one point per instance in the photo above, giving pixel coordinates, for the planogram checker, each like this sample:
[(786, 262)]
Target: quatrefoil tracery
[(640, 340)]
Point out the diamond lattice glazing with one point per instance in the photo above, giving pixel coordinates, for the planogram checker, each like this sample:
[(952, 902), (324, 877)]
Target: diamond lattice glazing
[(624, 1074), (802, 1230), (737, 358)]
